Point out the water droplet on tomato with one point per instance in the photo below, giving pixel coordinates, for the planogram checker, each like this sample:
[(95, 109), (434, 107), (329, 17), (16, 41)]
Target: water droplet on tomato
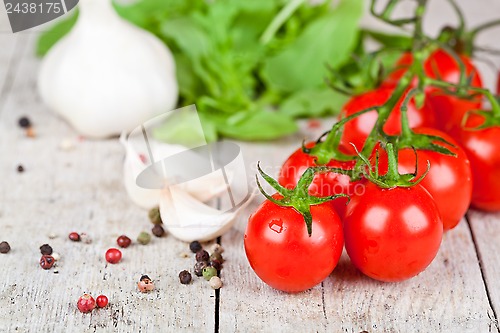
[(276, 226)]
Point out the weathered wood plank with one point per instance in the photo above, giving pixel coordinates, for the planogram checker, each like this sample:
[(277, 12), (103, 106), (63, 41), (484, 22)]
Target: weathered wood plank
[(486, 232), (449, 296), (9, 44), (80, 190)]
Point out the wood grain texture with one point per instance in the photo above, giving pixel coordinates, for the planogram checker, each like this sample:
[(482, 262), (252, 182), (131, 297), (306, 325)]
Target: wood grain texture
[(486, 232), (80, 190)]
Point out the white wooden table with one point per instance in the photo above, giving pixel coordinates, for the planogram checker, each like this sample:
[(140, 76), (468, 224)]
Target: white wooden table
[(82, 190)]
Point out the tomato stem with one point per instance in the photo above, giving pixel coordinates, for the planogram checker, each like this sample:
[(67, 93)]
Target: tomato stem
[(299, 197)]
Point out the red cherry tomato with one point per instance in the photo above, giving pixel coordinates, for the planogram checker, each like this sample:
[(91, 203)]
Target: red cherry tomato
[(449, 180), (483, 150), (281, 252), (440, 65), (392, 234), (357, 130), (323, 185)]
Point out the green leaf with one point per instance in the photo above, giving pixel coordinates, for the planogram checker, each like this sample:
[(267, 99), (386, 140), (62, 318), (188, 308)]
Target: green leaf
[(390, 40), (327, 40), (313, 103), (54, 34), (184, 128), (257, 125)]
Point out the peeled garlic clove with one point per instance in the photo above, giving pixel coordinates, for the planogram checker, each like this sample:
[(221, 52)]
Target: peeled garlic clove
[(189, 219)]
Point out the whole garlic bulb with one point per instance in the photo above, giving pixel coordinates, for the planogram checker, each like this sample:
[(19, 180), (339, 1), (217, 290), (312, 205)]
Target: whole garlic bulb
[(107, 76)]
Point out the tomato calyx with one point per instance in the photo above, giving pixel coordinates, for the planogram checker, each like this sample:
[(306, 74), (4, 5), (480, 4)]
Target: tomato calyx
[(489, 119), (392, 178), (299, 197)]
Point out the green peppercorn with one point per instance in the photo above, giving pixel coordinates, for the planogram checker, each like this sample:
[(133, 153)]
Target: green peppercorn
[(154, 215), (185, 277), (216, 256), (144, 238), (209, 272)]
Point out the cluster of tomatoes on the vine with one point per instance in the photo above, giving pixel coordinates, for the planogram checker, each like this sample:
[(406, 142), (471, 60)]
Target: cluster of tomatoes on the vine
[(392, 225)]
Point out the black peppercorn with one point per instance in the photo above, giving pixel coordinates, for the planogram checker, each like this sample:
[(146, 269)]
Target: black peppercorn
[(20, 168), (24, 122), (46, 261), (158, 230), (195, 246), (198, 268), (46, 249), (202, 255), (4, 247), (216, 264), (185, 277)]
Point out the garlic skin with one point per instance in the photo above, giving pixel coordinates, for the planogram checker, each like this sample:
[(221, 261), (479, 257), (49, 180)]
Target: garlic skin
[(107, 75), (189, 219), (202, 189), (184, 207)]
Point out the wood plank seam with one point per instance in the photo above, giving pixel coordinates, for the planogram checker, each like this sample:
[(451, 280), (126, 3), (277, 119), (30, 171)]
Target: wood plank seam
[(217, 297), (481, 268)]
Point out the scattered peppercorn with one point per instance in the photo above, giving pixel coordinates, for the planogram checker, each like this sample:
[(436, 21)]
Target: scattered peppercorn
[(113, 256), (24, 122), (202, 255), (86, 303), (215, 282), (145, 284), (195, 246), (101, 301), (209, 272), (198, 268), (46, 249), (47, 261), (216, 264), (158, 230), (123, 241), (4, 247), (217, 248), (144, 238), (154, 215), (30, 132), (20, 168), (74, 236), (185, 277), (85, 238), (216, 256)]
